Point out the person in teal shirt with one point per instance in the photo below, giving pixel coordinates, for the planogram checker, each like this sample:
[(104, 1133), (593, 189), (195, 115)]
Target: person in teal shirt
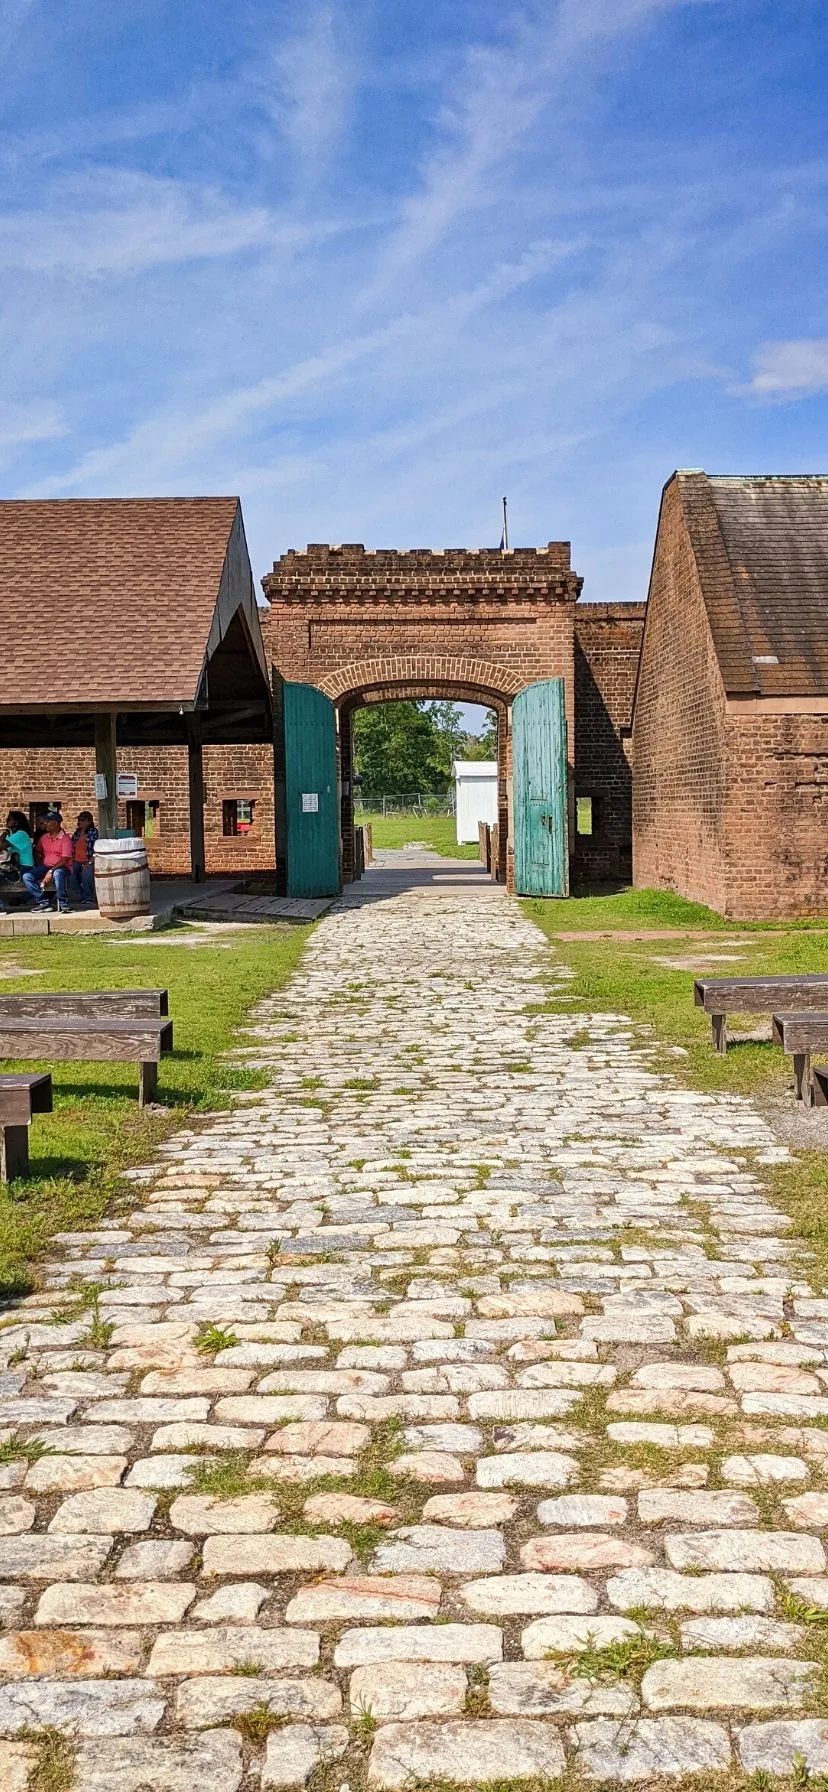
[(16, 835), (16, 846)]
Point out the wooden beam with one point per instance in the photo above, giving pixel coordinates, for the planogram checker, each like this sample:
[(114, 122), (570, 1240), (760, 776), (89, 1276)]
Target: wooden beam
[(195, 776), (105, 767)]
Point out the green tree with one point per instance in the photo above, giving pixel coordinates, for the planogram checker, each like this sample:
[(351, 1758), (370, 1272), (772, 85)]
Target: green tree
[(398, 750), (483, 745)]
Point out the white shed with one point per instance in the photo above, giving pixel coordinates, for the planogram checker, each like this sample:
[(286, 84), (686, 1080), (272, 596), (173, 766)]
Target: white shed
[(475, 789)]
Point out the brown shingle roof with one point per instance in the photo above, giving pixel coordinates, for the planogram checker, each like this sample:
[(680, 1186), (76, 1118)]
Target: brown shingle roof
[(761, 547), (109, 600)]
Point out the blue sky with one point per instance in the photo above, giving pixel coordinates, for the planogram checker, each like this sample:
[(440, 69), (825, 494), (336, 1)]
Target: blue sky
[(371, 264)]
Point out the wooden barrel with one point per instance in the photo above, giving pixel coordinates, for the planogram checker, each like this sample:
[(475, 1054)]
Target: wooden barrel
[(122, 880)]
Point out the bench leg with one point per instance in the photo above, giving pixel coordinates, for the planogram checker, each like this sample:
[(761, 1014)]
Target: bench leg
[(718, 1024), (147, 1083), (802, 1077), (14, 1152)]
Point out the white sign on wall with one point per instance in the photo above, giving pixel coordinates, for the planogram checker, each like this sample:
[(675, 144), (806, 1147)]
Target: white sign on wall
[(126, 784), (310, 802), (100, 791)]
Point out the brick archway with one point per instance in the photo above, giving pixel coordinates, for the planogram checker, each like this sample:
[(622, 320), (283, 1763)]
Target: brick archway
[(475, 624), (430, 675)]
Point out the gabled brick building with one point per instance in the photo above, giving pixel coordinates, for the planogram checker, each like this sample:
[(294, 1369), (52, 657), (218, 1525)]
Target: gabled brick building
[(730, 726)]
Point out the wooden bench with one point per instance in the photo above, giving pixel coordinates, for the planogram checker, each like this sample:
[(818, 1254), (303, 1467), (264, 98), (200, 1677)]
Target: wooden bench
[(800, 1035), (721, 996), (21, 1096), (136, 1040)]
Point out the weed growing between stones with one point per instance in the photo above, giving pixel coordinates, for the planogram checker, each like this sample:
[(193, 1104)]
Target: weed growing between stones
[(255, 1725), (210, 1339), (625, 1659), (55, 1759), (227, 1477), (477, 1703), (248, 1669), (364, 1723), (30, 1449)]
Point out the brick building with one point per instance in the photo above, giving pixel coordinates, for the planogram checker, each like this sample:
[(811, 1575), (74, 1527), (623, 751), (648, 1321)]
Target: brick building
[(365, 627), (730, 727)]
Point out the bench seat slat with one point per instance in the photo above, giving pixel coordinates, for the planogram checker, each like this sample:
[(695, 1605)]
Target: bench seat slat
[(133, 1041), (101, 1004), (801, 1032), (758, 995)]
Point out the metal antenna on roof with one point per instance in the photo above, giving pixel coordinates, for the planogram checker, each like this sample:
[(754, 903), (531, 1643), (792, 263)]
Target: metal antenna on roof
[(504, 539)]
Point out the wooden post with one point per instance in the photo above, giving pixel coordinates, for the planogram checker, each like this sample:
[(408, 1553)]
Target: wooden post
[(14, 1152), (195, 776), (147, 1082), (105, 766), (718, 1024)]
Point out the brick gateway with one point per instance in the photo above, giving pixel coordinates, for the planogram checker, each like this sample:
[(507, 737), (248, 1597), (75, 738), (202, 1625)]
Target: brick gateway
[(473, 625)]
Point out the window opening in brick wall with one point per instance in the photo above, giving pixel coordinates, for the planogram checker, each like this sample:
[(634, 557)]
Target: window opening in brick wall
[(49, 805), (237, 815), (586, 815), (144, 818)]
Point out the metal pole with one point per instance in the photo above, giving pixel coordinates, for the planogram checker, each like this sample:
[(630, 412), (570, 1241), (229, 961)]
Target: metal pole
[(505, 525)]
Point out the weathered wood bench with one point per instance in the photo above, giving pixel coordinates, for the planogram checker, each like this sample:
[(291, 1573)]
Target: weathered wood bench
[(721, 996), (99, 1004), (800, 1035), (136, 1040), (819, 1086), (21, 1096)]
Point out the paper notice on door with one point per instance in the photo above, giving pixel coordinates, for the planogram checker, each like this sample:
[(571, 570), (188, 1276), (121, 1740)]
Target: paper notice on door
[(310, 802)]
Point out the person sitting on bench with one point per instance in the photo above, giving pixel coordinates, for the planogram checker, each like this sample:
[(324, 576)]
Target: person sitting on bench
[(83, 861), (16, 847), (55, 852)]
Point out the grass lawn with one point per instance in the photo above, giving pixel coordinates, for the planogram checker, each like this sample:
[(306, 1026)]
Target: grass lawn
[(435, 831), (97, 1129), (625, 976)]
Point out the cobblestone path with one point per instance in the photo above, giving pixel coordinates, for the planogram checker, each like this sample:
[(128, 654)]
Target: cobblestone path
[(505, 1411)]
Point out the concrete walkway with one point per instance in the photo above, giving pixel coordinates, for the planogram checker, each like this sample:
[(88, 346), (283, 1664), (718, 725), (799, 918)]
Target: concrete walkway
[(521, 1373)]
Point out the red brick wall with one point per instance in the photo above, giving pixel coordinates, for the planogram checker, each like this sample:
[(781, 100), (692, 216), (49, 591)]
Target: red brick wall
[(243, 771), (679, 731), (730, 803), (776, 814), (607, 646)]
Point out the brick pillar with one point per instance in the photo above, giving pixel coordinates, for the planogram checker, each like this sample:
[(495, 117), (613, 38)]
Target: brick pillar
[(346, 799)]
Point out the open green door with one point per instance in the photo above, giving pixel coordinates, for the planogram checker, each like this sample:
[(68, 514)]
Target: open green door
[(539, 790), (311, 792)]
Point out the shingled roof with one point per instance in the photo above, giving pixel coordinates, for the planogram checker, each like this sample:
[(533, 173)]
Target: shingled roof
[(118, 601), (761, 547)]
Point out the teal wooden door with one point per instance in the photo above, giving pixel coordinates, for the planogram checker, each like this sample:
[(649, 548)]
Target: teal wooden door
[(311, 792), (539, 790)]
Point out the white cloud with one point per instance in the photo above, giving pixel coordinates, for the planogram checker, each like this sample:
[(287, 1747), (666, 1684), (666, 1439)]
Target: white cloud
[(108, 221), (309, 84), (790, 370), (23, 424)]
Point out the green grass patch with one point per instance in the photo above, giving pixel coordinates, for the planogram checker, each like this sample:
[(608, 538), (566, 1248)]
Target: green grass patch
[(437, 832), (97, 1129), (623, 910)]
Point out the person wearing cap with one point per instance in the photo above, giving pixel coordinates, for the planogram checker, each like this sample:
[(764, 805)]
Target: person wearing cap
[(55, 854)]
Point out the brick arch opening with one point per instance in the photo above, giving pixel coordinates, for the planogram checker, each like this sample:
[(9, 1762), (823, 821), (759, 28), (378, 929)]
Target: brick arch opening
[(393, 685)]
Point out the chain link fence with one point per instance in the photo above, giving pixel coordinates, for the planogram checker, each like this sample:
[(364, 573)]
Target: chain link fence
[(413, 804)]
